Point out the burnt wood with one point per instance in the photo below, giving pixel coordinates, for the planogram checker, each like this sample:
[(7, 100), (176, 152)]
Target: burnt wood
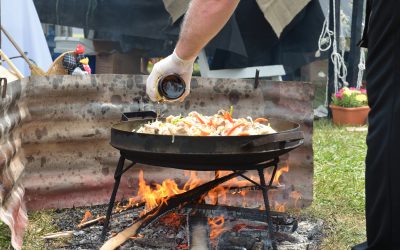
[(174, 202)]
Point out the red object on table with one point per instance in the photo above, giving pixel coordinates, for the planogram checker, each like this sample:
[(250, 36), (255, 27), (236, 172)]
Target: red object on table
[(80, 49)]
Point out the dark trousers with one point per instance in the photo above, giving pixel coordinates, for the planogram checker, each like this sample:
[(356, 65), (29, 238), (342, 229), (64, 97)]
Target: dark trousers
[(383, 140)]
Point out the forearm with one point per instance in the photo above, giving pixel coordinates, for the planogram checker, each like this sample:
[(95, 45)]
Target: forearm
[(203, 20)]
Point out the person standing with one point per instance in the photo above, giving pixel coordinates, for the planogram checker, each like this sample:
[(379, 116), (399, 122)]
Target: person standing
[(382, 37), (203, 20), (382, 175)]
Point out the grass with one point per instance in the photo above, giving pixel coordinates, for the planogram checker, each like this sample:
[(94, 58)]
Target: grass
[(339, 184), (4, 237), (40, 223), (338, 191)]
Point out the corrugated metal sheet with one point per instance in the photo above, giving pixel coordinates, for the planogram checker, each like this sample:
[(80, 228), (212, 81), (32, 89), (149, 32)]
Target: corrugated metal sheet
[(65, 136), (12, 209), (66, 139)]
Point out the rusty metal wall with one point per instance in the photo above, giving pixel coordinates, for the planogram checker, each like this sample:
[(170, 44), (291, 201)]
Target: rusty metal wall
[(66, 138), (12, 164)]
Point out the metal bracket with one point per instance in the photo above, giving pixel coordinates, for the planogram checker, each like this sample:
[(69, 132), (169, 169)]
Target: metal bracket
[(256, 81), (3, 81)]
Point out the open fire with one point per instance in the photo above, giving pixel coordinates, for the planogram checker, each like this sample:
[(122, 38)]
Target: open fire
[(237, 155), (199, 213), (155, 194)]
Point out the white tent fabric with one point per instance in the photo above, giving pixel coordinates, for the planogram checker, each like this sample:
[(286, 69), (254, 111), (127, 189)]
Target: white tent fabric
[(20, 19)]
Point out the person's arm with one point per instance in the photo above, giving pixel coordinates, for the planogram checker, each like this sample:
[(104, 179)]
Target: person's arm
[(203, 20)]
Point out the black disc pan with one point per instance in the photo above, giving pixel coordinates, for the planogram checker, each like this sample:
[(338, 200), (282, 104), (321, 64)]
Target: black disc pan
[(204, 152)]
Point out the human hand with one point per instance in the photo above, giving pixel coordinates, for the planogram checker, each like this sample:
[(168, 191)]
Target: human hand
[(167, 66)]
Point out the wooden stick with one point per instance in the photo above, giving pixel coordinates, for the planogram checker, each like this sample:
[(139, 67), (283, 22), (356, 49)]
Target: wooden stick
[(90, 222), (179, 200), (65, 234), (11, 64), (121, 237), (34, 68), (15, 45), (103, 217)]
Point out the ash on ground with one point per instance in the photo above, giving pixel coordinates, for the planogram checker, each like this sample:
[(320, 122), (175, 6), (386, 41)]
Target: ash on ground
[(172, 231)]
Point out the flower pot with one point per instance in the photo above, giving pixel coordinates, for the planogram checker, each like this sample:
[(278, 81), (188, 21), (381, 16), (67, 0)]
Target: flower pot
[(349, 116)]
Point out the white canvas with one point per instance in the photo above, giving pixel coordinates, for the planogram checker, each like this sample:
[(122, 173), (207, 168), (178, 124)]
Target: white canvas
[(20, 19)]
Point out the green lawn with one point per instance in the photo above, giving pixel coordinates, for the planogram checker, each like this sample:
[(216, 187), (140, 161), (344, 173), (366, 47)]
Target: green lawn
[(40, 223), (339, 184), (338, 191)]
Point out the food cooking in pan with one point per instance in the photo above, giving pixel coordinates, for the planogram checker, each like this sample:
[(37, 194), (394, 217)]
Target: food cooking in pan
[(220, 124)]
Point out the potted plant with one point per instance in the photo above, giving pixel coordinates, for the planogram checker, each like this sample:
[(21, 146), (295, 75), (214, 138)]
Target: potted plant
[(350, 107)]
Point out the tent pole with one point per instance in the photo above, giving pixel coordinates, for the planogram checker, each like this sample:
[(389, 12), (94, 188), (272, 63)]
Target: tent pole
[(1, 61), (356, 30), (331, 72)]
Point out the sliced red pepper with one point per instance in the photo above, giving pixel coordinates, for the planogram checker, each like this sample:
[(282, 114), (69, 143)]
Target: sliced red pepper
[(204, 133), (210, 122), (199, 118), (234, 127), (228, 117)]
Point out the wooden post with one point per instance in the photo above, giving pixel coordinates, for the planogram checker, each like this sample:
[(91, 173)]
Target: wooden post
[(356, 32), (1, 62), (331, 83)]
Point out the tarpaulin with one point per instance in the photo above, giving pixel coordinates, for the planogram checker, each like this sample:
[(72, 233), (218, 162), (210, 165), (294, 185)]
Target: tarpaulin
[(12, 161)]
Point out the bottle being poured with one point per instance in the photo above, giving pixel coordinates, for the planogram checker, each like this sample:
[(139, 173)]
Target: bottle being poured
[(171, 87), (169, 80)]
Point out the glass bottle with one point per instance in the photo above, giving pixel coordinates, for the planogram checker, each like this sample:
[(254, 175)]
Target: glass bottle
[(171, 87)]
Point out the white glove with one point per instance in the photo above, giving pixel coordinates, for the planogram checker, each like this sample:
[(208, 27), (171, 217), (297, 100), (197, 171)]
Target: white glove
[(169, 65)]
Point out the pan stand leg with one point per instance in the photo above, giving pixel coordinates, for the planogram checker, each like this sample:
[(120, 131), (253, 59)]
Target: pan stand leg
[(117, 179), (264, 189), (216, 176)]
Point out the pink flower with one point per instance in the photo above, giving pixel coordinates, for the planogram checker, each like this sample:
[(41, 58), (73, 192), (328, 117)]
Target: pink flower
[(352, 88), (338, 95), (363, 91)]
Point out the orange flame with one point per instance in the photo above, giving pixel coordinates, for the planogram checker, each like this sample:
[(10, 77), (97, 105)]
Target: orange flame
[(280, 207), (86, 216), (216, 226), (193, 181), (279, 173), (160, 193), (296, 196)]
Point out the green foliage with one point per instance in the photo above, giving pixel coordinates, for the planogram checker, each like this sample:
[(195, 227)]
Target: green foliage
[(347, 101)]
